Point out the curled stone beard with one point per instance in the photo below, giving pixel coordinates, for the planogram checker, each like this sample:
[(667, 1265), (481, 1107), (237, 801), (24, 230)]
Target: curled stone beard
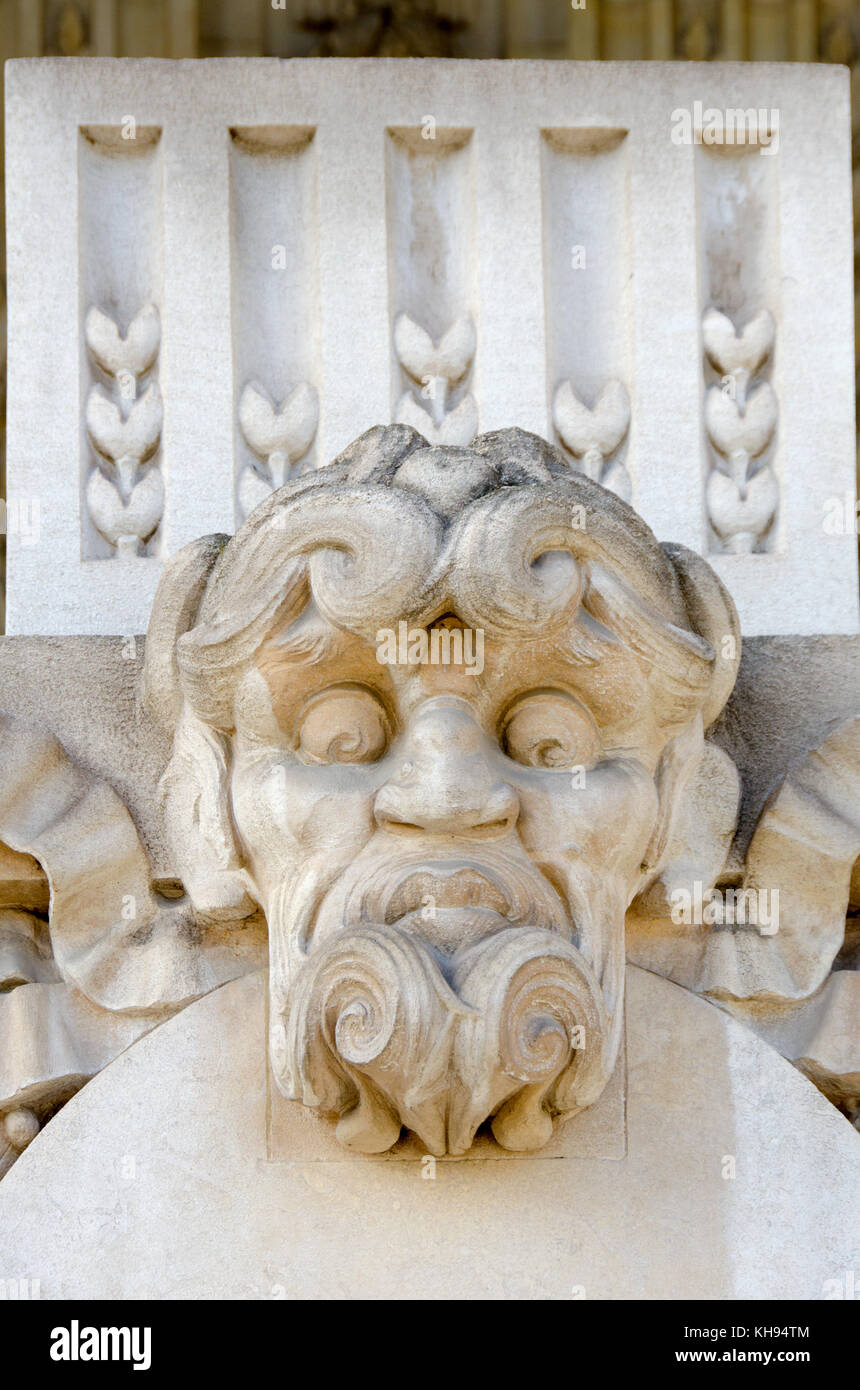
[(374, 1032)]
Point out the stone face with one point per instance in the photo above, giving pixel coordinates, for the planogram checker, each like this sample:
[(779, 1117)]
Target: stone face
[(443, 774), (444, 835), (739, 1182), (218, 278)]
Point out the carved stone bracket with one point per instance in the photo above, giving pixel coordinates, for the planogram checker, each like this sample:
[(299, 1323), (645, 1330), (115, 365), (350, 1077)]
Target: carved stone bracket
[(445, 866)]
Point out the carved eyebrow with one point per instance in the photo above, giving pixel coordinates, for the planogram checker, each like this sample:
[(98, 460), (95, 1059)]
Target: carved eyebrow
[(303, 649), (305, 642)]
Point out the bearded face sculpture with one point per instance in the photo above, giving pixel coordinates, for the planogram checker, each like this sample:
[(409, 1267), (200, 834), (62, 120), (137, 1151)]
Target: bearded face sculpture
[(444, 851)]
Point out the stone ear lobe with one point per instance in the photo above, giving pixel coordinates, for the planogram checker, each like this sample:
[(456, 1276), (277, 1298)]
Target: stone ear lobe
[(195, 791), (174, 609)]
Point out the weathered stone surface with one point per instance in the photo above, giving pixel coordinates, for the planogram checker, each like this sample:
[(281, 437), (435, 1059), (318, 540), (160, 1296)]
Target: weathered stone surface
[(444, 846), (739, 1182)]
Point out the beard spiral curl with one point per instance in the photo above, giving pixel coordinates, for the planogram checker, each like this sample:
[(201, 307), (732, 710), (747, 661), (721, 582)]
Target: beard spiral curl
[(368, 1026), (535, 1047), (375, 1034)]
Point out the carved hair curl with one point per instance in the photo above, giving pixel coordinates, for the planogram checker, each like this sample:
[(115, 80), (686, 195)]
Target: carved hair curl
[(501, 533)]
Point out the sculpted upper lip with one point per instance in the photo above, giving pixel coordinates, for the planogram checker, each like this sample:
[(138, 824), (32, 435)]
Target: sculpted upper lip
[(497, 883), (451, 885)]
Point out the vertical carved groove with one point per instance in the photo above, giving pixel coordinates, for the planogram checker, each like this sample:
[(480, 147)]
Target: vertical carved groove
[(430, 211), (275, 307), (587, 273), (737, 200), (120, 194)]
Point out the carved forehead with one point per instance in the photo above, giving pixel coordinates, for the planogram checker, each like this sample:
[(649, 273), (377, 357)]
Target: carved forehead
[(502, 534), (311, 653)]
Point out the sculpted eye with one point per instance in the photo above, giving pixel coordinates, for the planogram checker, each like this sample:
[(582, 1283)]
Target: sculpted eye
[(550, 729), (346, 724)]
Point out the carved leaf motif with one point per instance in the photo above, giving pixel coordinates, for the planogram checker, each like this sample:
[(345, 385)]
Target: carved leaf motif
[(730, 430), (120, 521), (289, 429), (601, 428), (459, 426), (450, 358), (733, 515), (133, 353), (730, 351), (136, 436)]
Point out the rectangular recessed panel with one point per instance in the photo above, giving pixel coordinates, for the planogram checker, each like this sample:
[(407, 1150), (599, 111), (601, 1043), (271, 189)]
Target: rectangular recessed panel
[(122, 468), (588, 275), (430, 201)]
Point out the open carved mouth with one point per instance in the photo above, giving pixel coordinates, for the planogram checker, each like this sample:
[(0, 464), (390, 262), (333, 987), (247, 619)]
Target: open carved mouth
[(450, 906), (438, 888)]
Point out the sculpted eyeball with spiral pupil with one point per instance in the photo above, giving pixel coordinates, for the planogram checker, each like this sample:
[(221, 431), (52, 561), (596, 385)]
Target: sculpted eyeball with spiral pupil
[(550, 729), (343, 726)]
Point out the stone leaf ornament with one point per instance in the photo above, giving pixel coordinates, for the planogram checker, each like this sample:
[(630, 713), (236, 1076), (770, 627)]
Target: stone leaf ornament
[(742, 494), (593, 435), (438, 367), (125, 492), (280, 436), (740, 353), (115, 354)]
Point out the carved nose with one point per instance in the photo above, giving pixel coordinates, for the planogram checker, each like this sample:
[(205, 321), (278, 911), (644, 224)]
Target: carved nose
[(446, 784)]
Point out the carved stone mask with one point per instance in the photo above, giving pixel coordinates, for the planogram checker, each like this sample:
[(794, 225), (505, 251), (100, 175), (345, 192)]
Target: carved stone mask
[(433, 709)]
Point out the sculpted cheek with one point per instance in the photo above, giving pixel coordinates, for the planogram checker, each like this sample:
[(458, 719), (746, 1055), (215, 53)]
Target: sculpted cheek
[(283, 810), (605, 813)]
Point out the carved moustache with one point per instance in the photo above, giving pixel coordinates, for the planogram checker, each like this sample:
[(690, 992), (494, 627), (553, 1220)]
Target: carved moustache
[(376, 1030), (449, 899)]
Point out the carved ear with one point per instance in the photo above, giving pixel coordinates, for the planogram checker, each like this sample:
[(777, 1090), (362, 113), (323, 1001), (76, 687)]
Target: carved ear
[(712, 614), (698, 784), (174, 610), (195, 790), (697, 829)]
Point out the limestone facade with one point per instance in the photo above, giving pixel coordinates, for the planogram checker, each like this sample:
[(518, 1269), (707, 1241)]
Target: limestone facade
[(400, 781)]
